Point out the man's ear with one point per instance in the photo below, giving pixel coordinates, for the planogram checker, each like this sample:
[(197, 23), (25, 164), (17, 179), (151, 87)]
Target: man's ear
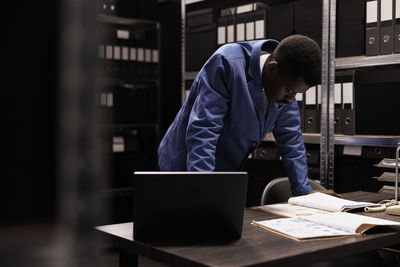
[(272, 66)]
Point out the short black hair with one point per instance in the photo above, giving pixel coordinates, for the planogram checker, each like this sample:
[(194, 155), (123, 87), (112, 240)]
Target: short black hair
[(299, 55)]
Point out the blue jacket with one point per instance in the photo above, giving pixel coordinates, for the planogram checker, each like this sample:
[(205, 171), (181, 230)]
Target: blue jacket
[(223, 120)]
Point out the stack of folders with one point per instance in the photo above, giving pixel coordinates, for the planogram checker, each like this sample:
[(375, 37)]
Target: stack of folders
[(280, 21), (298, 17), (376, 96), (129, 149), (310, 107), (344, 105), (350, 28), (308, 19), (310, 110), (319, 216), (242, 23), (128, 9), (127, 104), (200, 26), (382, 33), (126, 57)]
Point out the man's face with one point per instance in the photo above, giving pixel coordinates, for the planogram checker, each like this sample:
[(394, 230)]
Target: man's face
[(280, 87)]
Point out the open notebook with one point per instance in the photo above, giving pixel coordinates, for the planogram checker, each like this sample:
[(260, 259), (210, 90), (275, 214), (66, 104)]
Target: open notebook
[(312, 204), (328, 225)]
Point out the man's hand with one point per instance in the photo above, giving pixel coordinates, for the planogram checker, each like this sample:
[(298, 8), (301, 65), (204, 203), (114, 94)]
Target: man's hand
[(328, 192)]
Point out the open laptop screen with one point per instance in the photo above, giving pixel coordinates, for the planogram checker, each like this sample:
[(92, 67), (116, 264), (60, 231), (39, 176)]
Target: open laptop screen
[(188, 205)]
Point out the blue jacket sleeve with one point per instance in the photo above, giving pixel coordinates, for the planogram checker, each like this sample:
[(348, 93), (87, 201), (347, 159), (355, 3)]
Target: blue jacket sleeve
[(207, 114), (289, 140)]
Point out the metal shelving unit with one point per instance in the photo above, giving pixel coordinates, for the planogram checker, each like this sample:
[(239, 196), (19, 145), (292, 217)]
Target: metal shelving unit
[(132, 81), (327, 139), (362, 62), (143, 24), (356, 140)]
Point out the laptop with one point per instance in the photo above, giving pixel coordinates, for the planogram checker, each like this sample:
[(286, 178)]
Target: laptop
[(188, 205)]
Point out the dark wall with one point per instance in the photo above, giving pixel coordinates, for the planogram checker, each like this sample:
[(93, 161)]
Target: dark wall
[(169, 17), (29, 64)]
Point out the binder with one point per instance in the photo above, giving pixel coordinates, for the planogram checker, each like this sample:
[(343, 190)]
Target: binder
[(110, 7), (121, 52), (319, 101), (250, 33), (260, 19), (310, 110), (348, 118), (280, 21), (230, 30), (201, 17), (350, 28), (240, 26), (132, 64), (221, 31), (133, 104), (226, 26), (396, 23), (338, 106), (308, 19), (376, 100), (300, 103), (201, 25), (244, 20), (125, 8), (386, 27), (372, 29)]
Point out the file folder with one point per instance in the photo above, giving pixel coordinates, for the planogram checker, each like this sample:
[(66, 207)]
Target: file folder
[(308, 19), (240, 26), (376, 102), (338, 106), (310, 110), (226, 16), (386, 27), (260, 19), (243, 15), (396, 26), (111, 7), (132, 64), (280, 21), (230, 29), (250, 33), (201, 17), (300, 103), (201, 25), (350, 28), (221, 31), (372, 29), (121, 53), (348, 118)]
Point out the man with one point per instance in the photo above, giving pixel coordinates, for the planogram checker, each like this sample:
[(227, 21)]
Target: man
[(242, 92)]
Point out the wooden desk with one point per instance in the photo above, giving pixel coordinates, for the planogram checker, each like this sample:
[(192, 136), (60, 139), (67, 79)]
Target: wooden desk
[(256, 247)]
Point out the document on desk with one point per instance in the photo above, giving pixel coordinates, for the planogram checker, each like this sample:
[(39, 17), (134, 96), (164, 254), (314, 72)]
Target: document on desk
[(322, 226), (311, 204), (290, 210), (327, 202)]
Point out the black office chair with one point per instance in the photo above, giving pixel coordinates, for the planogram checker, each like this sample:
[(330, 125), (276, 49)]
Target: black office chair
[(278, 190)]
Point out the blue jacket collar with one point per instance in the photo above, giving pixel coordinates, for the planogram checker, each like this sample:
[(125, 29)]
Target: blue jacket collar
[(256, 83), (254, 71)]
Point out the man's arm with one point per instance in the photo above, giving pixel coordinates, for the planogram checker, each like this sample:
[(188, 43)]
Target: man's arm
[(289, 140), (209, 109)]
